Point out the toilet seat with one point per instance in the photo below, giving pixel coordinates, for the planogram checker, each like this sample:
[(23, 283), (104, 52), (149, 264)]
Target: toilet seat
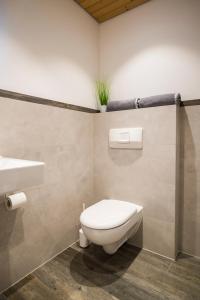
[(107, 214)]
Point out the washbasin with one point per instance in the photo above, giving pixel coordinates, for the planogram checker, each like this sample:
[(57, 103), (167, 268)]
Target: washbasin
[(17, 174)]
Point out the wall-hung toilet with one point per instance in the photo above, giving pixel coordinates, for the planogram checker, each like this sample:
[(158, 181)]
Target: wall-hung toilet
[(110, 223)]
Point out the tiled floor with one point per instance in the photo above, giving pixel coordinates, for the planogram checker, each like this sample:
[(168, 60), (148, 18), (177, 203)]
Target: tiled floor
[(130, 274)]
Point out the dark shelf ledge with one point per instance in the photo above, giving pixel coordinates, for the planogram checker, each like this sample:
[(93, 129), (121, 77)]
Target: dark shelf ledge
[(43, 101), (190, 102)]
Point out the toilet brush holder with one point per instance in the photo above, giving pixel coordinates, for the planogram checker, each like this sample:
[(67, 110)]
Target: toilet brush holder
[(83, 241)]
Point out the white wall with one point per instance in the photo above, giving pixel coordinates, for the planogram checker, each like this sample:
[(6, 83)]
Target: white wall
[(49, 49), (153, 49)]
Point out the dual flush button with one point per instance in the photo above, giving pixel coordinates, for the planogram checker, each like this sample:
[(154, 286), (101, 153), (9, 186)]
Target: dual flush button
[(128, 138)]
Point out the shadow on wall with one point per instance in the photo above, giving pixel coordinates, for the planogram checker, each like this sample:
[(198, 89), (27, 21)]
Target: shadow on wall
[(188, 187), (45, 38), (9, 238), (52, 45), (151, 46), (137, 238), (118, 157), (151, 30)]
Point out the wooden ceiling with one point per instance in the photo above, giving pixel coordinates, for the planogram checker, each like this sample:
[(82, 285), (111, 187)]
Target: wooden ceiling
[(103, 10)]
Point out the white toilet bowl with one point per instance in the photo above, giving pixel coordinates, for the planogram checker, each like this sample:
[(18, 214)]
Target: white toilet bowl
[(110, 223)]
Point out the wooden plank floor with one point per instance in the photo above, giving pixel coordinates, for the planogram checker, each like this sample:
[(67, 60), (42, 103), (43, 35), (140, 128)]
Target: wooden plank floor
[(91, 274)]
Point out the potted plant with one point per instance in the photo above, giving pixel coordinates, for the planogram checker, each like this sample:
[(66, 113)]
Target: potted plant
[(102, 94)]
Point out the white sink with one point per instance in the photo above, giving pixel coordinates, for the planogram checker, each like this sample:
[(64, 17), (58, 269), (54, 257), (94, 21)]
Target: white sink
[(17, 174)]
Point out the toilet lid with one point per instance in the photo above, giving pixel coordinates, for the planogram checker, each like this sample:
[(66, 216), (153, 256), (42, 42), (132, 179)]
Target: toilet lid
[(107, 214)]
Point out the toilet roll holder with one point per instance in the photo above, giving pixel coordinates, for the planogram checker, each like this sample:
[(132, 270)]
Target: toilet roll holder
[(9, 201)]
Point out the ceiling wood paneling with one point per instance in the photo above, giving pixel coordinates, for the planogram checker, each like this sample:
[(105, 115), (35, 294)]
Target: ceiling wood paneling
[(103, 10)]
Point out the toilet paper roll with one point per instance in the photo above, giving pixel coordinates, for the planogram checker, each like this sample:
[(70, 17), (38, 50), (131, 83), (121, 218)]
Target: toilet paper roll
[(15, 201)]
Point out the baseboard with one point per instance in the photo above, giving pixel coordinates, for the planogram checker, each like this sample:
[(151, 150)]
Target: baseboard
[(77, 242), (198, 257), (164, 256), (154, 252), (29, 273)]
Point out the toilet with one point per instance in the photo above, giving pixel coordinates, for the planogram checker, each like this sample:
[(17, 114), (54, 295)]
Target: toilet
[(110, 223)]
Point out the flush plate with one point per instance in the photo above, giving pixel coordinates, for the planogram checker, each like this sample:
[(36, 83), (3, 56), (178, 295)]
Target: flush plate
[(126, 138), (17, 174)]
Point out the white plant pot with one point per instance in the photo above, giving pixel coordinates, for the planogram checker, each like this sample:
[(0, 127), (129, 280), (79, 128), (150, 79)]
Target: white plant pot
[(103, 108)]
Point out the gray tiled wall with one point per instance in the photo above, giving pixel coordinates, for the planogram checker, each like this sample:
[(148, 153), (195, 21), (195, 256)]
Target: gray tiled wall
[(190, 180), (69, 142), (146, 177), (63, 139)]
